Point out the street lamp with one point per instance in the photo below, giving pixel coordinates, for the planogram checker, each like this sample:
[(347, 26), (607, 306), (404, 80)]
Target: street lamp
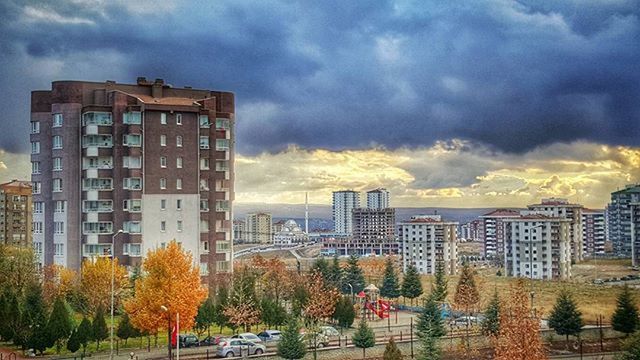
[(351, 288), (113, 275), (165, 309)]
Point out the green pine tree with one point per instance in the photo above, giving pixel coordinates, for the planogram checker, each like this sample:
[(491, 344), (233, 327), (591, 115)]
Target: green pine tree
[(440, 283), (411, 285), (73, 344), (625, 317), (491, 323), (565, 317), (353, 275), (100, 329), (85, 333), (125, 329), (222, 299), (321, 266), (429, 349), (35, 318), (60, 324), (430, 320), (364, 337), (391, 351), (5, 333), (630, 348), (335, 274), (390, 284), (10, 316), (291, 344), (205, 317), (344, 312)]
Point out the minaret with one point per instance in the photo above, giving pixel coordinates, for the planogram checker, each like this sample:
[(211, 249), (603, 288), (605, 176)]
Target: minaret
[(306, 213)]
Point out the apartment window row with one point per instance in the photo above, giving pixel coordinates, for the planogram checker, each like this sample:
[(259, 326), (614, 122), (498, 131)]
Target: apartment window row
[(35, 167), (163, 184), (97, 184), (97, 141), (179, 162), (57, 142), (132, 140), (132, 205), (38, 207), (131, 162), (58, 249), (163, 226), (97, 118), (36, 227), (100, 162), (221, 144), (133, 117), (35, 147), (101, 227), (57, 164), (97, 206), (163, 119), (132, 183)]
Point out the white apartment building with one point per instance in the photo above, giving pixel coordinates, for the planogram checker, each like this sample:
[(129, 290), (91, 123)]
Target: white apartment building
[(343, 204), (259, 228), (378, 199), (562, 208), (493, 232), (538, 246), (426, 239)]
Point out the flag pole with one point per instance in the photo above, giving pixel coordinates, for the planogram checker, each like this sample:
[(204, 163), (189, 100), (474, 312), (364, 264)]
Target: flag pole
[(177, 336)]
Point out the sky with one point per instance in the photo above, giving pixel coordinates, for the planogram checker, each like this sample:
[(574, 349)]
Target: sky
[(457, 104)]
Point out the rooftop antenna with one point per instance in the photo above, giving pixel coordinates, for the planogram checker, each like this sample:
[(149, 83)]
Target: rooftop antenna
[(306, 212)]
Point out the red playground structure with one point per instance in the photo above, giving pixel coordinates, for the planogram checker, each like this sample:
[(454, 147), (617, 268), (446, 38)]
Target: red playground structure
[(381, 308)]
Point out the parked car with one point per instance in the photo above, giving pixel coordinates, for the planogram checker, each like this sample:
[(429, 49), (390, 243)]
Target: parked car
[(237, 347), (320, 340), (188, 341), (464, 320), (270, 336), (329, 331), (210, 340), (248, 336)]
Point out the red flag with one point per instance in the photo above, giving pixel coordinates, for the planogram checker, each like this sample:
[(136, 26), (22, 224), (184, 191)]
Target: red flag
[(174, 335)]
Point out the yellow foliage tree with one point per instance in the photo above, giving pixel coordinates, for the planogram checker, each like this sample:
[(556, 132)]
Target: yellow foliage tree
[(322, 298), (519, 334), (95, 283), (57, 281), (169, 280)]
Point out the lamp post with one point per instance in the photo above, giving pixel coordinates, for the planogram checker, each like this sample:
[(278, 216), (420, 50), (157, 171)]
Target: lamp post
[(351, 288), (165, 309), (113, 275)]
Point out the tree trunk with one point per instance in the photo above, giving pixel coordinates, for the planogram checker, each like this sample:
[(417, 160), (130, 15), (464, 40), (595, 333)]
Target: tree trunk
[(363, 356)]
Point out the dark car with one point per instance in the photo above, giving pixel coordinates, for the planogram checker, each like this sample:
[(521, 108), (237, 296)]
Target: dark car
[(188, 341), (210, 340)]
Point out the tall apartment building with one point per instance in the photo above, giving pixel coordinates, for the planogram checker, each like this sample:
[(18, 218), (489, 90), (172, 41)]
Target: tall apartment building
[(472, 231), (624, 222), (373, 232), (149, 159), (343, 204), (239, 231), (492, 232), (562, 208), (426, 239), (594, 232), (378, 199), (15, 214), (538, 246), (259, 228)]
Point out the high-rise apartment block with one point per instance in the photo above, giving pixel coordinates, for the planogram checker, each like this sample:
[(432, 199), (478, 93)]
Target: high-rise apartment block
[(343, 204), (594, 231), (378, 199), (239, 231), (426, 240), (538, 246), (492, 231), (149, 159), (373, 232), (562, 208), (472, 231), (624, 222), (15, 214), (259, 228)]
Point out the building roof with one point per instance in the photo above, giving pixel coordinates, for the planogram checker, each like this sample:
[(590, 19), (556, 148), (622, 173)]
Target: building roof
[(592, 211), (16, 184), (554, 202), (539, 217), (631, 188), (502, 213), (378, 190)]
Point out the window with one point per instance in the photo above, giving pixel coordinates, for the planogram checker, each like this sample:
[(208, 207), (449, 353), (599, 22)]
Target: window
[(204, 226), (60, 206), (35, 167), (163, 140), (163, 226), (132, 183), (163, 183), (163, 204), (163, 118), (97, 184), (96, 118), (37, 227), (222, 266), (178, 119), (204, 142), (179, 184), (102, 162), (133, 140), (35, 147), (132, 205), (223, 246), (204, 184), (97, 205), (57, 120), (97, 141), (179, 162), (222, 144), (204, 121), (100, 227), (35, 127), (222, 165), (179, 204), (132, 118), (163, 161), (38, 207), (37, 247), (204, 164), (58, 227), (36, 187), (204, 205), (57, 185), (58, 249), (57, 164), (179, 225), (131, 162), (222, 205), (204, 270), (204, 245), (132, 227), (222, 124), (179, 141), (57, 142), (132, 249)]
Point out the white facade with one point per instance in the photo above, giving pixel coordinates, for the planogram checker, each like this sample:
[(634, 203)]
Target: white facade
[(562, 208), (259, 228), (343, 204), (426, 239), (378, 199), (290, 235)]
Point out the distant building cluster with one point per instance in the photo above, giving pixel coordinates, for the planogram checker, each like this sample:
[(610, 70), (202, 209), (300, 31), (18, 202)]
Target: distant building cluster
[(16, 214)]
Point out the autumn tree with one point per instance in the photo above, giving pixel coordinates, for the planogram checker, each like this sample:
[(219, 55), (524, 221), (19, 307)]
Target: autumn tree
[(625, 317), (391, 351), (96, 282), (58, 281), (243, 309), (440, 283), (322, 299), (411, 285), (17, 268), (519, 333), (170, 281), (390, 284), (466, 296), (565, 317)]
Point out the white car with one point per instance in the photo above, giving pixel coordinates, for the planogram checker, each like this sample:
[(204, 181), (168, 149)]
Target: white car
[(248, 336)]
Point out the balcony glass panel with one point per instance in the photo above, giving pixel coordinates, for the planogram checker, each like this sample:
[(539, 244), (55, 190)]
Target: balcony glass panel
[(97, 140), (96, 118)]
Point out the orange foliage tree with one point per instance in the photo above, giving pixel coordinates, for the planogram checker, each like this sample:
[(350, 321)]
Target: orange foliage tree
[(57, 281), (169, 280), (519, 334), (276, 281), (373, 268), (322, 299), (95, 283)]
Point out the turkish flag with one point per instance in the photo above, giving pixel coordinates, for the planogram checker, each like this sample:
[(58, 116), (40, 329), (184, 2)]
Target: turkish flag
[(174, 335)]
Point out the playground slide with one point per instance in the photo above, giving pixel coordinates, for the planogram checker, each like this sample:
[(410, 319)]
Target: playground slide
[(382, 310)]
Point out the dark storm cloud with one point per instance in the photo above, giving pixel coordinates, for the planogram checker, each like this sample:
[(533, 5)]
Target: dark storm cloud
[(335, 74)]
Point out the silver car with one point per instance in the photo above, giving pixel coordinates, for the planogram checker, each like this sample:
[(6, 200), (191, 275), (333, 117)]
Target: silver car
[(229, 348), (248, 336)]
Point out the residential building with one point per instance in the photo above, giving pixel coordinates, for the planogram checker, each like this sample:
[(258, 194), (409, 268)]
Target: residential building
[(594, 232), (493, 232), (15, 214), (538, 246), (373, 232), (562, 208), (278, 226), (624, 225), (259, 228), (290, 235), (472, 231), (149, 159), (239, 231), (378, 199), (343, 204), (427, 239)]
